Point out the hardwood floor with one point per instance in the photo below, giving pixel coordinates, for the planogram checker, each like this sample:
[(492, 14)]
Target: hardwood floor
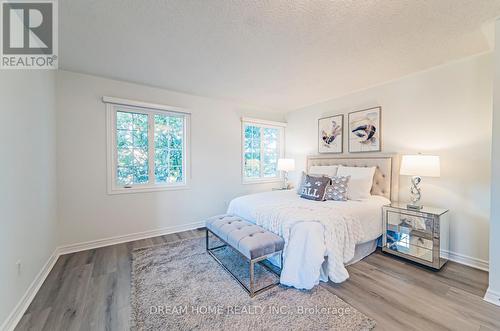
[(402, 296), (90, 290)]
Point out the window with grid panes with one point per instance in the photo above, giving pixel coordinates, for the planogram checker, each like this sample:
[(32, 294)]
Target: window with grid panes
[(148, 148), (262, 147)]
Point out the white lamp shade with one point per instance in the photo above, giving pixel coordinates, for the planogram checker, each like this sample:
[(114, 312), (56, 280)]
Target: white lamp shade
[(286, 164), (420, 165)]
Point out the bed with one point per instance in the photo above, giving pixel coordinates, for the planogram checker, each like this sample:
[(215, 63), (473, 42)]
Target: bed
[(322, 238)]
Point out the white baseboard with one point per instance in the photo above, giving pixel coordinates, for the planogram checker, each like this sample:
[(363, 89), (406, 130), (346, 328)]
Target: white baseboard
[(66, 249), (15, 316), (467, 260), (492, 297), (23, 304)]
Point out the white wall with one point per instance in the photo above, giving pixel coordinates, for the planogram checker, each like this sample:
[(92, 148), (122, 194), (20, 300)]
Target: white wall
[(87, 213), (444, 111), (494, 286), (27, 177)]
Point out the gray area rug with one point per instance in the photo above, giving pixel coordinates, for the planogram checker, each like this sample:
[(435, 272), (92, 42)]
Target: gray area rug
[(179, 286)]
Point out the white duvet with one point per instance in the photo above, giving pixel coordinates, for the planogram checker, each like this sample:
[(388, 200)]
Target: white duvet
[(313, 230)]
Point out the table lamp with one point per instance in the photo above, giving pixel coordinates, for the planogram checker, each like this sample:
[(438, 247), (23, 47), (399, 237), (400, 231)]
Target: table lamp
[(286, 165), (419, 166)]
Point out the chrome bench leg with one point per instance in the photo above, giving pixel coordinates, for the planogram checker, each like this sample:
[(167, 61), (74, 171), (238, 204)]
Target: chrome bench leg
[(206, 231), (252, 277), (208, 249)]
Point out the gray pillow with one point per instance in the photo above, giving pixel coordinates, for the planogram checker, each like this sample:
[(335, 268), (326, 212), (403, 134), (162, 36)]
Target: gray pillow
[(337, 190), (313, 188)]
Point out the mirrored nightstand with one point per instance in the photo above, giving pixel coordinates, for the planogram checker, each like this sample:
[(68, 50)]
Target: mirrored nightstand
[(417, 235)]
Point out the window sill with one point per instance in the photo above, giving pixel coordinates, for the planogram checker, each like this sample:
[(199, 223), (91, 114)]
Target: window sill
[(262, 181), (114, 191)]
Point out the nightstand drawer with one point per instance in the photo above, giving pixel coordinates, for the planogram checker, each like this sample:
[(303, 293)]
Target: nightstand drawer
[(410, 243), (398, 220), (415, 251)]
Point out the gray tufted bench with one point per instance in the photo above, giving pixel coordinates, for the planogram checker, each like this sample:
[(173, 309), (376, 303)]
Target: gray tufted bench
[(250, 240)]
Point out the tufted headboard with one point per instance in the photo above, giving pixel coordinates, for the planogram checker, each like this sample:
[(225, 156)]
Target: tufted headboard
[(386, 178)]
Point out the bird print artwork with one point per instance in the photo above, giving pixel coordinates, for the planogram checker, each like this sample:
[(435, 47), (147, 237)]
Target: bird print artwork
[(330, 134), (367, 132), (364, 130)]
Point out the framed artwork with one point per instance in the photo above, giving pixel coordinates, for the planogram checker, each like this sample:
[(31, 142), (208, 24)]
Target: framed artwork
[(330, 139), (365, 130)]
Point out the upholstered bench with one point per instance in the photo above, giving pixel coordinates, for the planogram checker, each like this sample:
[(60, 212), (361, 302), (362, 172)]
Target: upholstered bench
[(252, 241)]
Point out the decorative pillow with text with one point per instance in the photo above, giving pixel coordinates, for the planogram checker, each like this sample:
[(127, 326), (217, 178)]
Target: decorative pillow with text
[(313, 188)]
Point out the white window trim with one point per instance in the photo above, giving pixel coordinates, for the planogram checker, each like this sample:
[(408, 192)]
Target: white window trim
[(149, 108), (143, 104), (264, 124)]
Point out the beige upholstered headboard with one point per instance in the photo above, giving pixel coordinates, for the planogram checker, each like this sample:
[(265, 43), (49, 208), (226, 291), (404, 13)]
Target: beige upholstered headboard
[(386, 178)]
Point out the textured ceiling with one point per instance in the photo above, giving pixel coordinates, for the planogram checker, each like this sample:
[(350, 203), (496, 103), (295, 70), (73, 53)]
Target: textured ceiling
[(280, 55)]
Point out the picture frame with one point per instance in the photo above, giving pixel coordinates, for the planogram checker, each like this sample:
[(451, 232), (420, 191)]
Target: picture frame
[(365, 130), (331, 134)]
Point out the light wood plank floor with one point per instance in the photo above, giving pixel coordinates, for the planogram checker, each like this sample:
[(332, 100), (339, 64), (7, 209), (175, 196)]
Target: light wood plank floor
[(90, 290)]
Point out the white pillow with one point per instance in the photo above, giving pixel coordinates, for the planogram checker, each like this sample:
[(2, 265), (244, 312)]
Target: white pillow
[(301, 180), (361, 181), (330, 171)]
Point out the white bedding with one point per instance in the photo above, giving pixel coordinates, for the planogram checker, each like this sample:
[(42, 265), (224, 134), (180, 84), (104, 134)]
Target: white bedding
[(312, 231)]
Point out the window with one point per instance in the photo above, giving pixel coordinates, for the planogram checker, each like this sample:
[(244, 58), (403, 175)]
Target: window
[(147, 146), (263, 145)]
